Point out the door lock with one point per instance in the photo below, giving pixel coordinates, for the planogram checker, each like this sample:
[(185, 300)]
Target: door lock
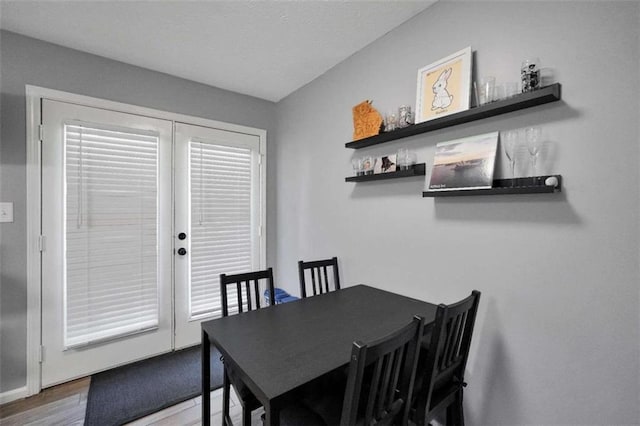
[(182, 251), (182, 236)]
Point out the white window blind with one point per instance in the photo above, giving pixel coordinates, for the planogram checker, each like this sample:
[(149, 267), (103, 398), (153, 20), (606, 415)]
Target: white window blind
[(111, 232), (221, 220)]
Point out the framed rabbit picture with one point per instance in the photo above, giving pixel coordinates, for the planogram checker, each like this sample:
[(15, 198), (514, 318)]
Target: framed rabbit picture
[(444, 87)]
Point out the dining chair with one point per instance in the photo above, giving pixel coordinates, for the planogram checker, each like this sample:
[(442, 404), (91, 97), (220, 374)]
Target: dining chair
[(378, 388), (240, 293), (440, 375), (317, 271), (245, 290)]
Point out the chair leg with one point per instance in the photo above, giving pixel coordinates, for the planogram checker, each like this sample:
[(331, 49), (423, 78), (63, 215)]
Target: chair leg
[(455, 413), (246, 416), (417, 412), (226, 390)]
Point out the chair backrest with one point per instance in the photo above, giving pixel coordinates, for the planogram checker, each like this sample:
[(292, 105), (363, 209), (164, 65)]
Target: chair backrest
[(245, 290), (317, 271), (447, 353), (393, 360)]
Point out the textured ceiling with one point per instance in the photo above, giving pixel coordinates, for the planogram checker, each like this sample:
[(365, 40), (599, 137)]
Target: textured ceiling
[(266, 49)]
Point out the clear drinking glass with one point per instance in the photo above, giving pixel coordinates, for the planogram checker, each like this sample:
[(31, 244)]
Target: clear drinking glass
[(509, 144), (356, 163), (499, 92), (533, 137), (511, 89), (413, 158), (405, 118), (402, 158), (530, 74), (390, 122), (485, 90)]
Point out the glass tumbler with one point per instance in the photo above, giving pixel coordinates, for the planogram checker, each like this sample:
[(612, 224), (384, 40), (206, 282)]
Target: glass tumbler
[(402, 158), (356, 163), (405, 117), (390, 122), (486, 89), (530, 74), (510, 89)]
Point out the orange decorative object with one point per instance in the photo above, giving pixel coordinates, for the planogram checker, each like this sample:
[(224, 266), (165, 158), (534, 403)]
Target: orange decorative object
[(366, 121)]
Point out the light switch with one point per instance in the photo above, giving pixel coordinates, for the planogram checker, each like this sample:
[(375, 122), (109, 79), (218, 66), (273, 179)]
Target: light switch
[(6, 212)]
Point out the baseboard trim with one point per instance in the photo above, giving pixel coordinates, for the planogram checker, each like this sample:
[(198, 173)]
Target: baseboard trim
[(13, 395)]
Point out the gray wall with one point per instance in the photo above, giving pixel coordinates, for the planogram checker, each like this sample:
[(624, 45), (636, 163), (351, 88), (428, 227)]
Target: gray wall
[(28, 61), (557, 338)]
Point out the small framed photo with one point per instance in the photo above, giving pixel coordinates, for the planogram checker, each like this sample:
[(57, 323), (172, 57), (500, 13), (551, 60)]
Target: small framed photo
[(385, 164), (465, 163), (444, 87)]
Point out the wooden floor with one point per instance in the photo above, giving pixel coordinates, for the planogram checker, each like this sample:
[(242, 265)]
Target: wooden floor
[(65, 405)]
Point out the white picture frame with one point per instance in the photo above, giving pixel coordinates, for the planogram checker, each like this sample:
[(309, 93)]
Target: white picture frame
[(444, 87)]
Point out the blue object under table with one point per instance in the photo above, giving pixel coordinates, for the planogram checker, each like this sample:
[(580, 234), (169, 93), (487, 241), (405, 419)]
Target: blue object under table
[(281, 296)]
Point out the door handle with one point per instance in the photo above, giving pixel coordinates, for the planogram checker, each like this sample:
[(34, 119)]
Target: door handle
[(182, 251)]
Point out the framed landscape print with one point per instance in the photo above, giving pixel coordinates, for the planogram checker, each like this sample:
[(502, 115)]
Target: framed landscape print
[(465, 163), (444, 87)]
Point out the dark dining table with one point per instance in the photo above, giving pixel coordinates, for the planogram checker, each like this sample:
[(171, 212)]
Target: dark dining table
[(276, 349)]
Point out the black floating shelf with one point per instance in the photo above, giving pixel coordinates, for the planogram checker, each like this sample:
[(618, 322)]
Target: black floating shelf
[(524, 100), (528, 185), (416, 170)]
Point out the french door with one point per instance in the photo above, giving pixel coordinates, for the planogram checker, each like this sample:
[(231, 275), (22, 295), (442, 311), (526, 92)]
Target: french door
[(139, 216), (217, 216)]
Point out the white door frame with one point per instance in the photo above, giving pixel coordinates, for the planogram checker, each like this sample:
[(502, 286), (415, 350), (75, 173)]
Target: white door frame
[(34, 208)]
